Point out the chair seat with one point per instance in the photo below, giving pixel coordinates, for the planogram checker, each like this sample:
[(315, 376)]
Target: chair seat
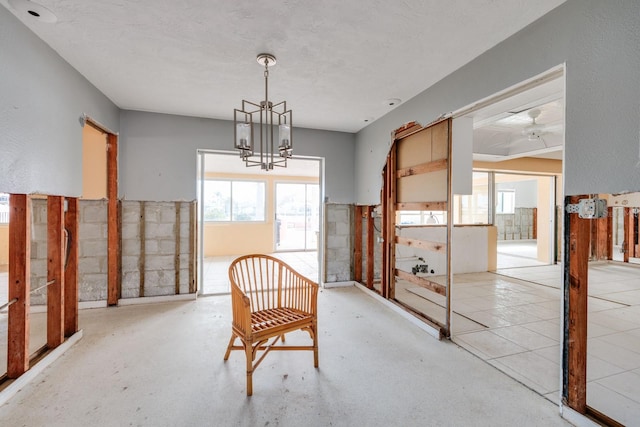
[(280, 318)]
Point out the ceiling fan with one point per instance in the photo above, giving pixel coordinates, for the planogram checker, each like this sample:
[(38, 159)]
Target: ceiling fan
[(534, 131)]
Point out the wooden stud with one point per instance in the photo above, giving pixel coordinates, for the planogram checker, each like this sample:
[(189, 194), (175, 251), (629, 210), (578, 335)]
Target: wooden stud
[(19, 285), (357, 250), (393, 184), (55, 271), (535, 224), (422, 206), (71, 268), (370, 246), (628, 235), (610, 233), (422, 244), (384, 285), (445, 133), (193, 221), (113, 230), (631, 245), (176, 256), (143, 246), (575, 315), (434, 166), (422, 282)]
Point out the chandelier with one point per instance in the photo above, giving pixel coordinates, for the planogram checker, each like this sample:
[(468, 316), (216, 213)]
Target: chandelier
[(259, 121)]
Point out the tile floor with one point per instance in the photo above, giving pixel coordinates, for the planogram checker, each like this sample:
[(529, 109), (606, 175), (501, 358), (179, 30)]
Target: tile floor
[(520, 309), (511, 319), (215, 276)]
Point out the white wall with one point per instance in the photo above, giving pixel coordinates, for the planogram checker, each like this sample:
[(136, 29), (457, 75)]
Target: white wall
[(41, 100), (466, 240), (158, 155), (600, 44)]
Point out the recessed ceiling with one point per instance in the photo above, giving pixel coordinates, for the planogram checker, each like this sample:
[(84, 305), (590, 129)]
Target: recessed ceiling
[(338, 62), (529, 124)]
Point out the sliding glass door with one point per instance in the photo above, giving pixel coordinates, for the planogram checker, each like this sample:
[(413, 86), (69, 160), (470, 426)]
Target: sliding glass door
[(297, 216)]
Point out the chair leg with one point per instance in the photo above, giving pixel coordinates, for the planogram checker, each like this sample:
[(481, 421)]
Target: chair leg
[(233, 338), (314, 329), (249, 353)]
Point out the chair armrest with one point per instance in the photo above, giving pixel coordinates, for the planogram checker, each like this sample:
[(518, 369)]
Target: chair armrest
[(299, 292), (241, 310)]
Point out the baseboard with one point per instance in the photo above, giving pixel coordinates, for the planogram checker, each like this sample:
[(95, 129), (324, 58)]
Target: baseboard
[(19, 383), (402, 312), (153, 300), (346, 284), (576, 418)]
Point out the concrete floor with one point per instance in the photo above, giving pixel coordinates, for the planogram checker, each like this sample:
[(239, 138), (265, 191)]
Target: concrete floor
[(161, 365)]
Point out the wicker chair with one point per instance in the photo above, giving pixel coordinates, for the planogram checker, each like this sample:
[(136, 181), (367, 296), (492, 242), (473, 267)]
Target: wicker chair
[(269, 299)]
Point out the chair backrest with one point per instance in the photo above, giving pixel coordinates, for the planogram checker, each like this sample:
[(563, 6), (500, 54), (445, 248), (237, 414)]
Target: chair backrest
[(260, 278)]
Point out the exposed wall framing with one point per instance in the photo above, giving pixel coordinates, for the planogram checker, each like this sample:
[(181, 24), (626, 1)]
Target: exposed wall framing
[(417, 176)]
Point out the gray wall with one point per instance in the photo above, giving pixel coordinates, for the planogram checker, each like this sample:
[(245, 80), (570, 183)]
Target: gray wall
[(526, 192), (158, 155), (600, 44), (41, 100)]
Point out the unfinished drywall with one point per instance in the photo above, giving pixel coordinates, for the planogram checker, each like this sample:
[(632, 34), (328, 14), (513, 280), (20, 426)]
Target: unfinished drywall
[(167, 146), (42, 99), (474, 239), (338, 240), (598, 41)]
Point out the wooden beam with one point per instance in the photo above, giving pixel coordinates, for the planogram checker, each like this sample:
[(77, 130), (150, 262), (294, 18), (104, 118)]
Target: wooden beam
[(534, 232), (176, 255), (370, 246), (393, 198), (71, 268), (422, 244), (422, 282), (113, 229), (610, 233), (422, 206), (436, 165), (384, 202), (19, 284), (406, 130), (357, 250), (193, 259), (143, 246), (55, 271), (631, 237), (628, 235), (575, 293)]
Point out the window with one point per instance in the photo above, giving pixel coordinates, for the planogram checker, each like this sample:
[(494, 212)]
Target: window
[(506, 201), (226, 200)]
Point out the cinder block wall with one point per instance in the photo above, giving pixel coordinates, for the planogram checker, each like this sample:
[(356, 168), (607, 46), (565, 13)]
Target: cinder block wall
[(158, 251), (516, 226), (338, 242)]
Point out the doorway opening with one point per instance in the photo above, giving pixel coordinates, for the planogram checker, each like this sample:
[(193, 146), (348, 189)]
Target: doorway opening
[(246, 210)]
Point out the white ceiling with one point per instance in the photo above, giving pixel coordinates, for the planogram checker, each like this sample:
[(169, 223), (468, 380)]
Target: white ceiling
[(501, 129), (339, 61)]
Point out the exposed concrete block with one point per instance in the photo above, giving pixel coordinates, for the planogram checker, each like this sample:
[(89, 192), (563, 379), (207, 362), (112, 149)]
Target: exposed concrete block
[(130, 212), (130, 263), (92, 211), (343, 229), (130, 247), (92, 231), (338, 242), (151, 247), (89, 265), (158, 230), (167, 213), (93, 287), (159, 262), (167, 247), (130, 231), (93, 248)]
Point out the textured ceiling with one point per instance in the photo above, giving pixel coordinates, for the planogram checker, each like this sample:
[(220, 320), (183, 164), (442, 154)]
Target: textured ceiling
[(338, 60)]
